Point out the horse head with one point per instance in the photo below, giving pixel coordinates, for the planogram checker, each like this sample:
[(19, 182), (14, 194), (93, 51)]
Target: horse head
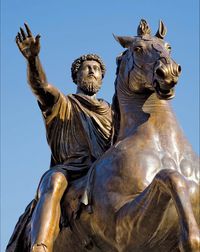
[(146, 65)]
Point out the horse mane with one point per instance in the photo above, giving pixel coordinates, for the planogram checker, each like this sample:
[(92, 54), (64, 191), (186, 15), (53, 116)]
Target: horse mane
[(115, 102), (116, 115)]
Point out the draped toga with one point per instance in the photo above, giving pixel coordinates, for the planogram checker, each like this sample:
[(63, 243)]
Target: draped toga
[(78, 130)]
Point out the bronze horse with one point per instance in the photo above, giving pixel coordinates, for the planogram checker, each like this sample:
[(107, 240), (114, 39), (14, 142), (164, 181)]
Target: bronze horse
[(144, 191)]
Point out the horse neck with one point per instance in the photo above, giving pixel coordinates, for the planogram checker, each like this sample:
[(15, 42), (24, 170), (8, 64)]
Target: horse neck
[(142, 112)]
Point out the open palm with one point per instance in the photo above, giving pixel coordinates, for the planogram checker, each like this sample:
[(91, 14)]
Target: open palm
[(27, 43)]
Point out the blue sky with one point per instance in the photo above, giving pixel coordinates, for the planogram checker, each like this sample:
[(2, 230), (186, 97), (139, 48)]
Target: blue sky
[(69, 29)]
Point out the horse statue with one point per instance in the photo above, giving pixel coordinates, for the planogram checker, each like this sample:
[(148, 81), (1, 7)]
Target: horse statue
[(143, 192)]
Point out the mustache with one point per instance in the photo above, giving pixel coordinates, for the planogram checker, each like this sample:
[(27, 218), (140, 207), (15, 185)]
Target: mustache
[(92, 75)]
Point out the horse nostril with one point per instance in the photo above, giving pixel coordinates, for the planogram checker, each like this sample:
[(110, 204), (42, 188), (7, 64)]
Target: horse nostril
[(173, 83), (160, 73), (179, 69)]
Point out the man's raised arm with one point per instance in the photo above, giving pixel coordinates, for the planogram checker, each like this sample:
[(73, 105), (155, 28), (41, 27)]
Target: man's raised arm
[(29, 46)]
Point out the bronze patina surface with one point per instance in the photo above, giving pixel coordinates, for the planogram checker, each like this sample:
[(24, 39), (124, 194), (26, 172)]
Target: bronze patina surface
[(145, 188)]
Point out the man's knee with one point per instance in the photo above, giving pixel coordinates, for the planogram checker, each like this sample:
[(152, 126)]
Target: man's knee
[(53, 182)]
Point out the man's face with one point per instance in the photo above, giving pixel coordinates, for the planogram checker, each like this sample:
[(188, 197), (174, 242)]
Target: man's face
[(89, 77)]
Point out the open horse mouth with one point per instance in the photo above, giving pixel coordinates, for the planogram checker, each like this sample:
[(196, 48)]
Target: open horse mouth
[(162, 93)]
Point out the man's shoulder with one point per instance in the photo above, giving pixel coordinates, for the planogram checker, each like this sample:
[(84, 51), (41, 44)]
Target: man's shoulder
[(93, 105), (104, 102)]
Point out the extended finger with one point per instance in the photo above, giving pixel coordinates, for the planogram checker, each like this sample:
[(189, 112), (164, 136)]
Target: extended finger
[(37, 39), (28, 30), (19, 37), (23, 34), (17, 40)]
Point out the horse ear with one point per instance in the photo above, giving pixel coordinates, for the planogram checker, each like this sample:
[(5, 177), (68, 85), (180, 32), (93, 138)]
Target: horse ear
[(162, 30), (143, 28), (124, 40)]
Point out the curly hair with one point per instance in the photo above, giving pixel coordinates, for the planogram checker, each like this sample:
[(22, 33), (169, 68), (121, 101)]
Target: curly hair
[(77, 64)]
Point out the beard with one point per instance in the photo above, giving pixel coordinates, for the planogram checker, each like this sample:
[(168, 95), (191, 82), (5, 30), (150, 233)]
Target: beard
[(90, 87)]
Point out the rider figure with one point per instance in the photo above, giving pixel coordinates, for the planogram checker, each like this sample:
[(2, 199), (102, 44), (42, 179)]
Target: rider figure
[(78, 128)]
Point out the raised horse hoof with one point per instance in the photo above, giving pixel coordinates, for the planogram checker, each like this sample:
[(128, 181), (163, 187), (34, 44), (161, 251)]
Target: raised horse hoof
[(39, 248)]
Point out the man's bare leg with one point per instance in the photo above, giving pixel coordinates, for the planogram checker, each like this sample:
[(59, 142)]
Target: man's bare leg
[(46, 216)]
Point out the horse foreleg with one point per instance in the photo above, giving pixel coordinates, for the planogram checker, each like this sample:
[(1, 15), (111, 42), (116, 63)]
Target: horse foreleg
[(139, 220)]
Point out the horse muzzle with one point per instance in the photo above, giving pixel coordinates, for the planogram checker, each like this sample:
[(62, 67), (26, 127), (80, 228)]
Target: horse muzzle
[(165, 78)]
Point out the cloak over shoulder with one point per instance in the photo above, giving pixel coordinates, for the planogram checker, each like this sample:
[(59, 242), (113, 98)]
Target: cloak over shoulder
[(78, 130)]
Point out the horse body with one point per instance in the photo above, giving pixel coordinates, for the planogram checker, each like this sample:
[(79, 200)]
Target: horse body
[(130, 166), (146, 192)]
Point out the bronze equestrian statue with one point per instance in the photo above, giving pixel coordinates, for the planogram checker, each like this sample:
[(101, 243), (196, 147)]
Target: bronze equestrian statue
[(144, 191)]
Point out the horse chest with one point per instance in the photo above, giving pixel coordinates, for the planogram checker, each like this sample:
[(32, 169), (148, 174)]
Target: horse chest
[(140, 165)]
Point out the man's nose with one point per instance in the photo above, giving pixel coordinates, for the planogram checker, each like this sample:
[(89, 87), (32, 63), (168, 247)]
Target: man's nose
[(91, 70)]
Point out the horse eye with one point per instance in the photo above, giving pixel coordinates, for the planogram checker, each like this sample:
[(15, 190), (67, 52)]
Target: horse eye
[(169, 47), (138, 49)]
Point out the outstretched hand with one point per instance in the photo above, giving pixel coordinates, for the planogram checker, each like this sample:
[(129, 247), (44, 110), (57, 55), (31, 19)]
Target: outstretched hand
[(28, 45)]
